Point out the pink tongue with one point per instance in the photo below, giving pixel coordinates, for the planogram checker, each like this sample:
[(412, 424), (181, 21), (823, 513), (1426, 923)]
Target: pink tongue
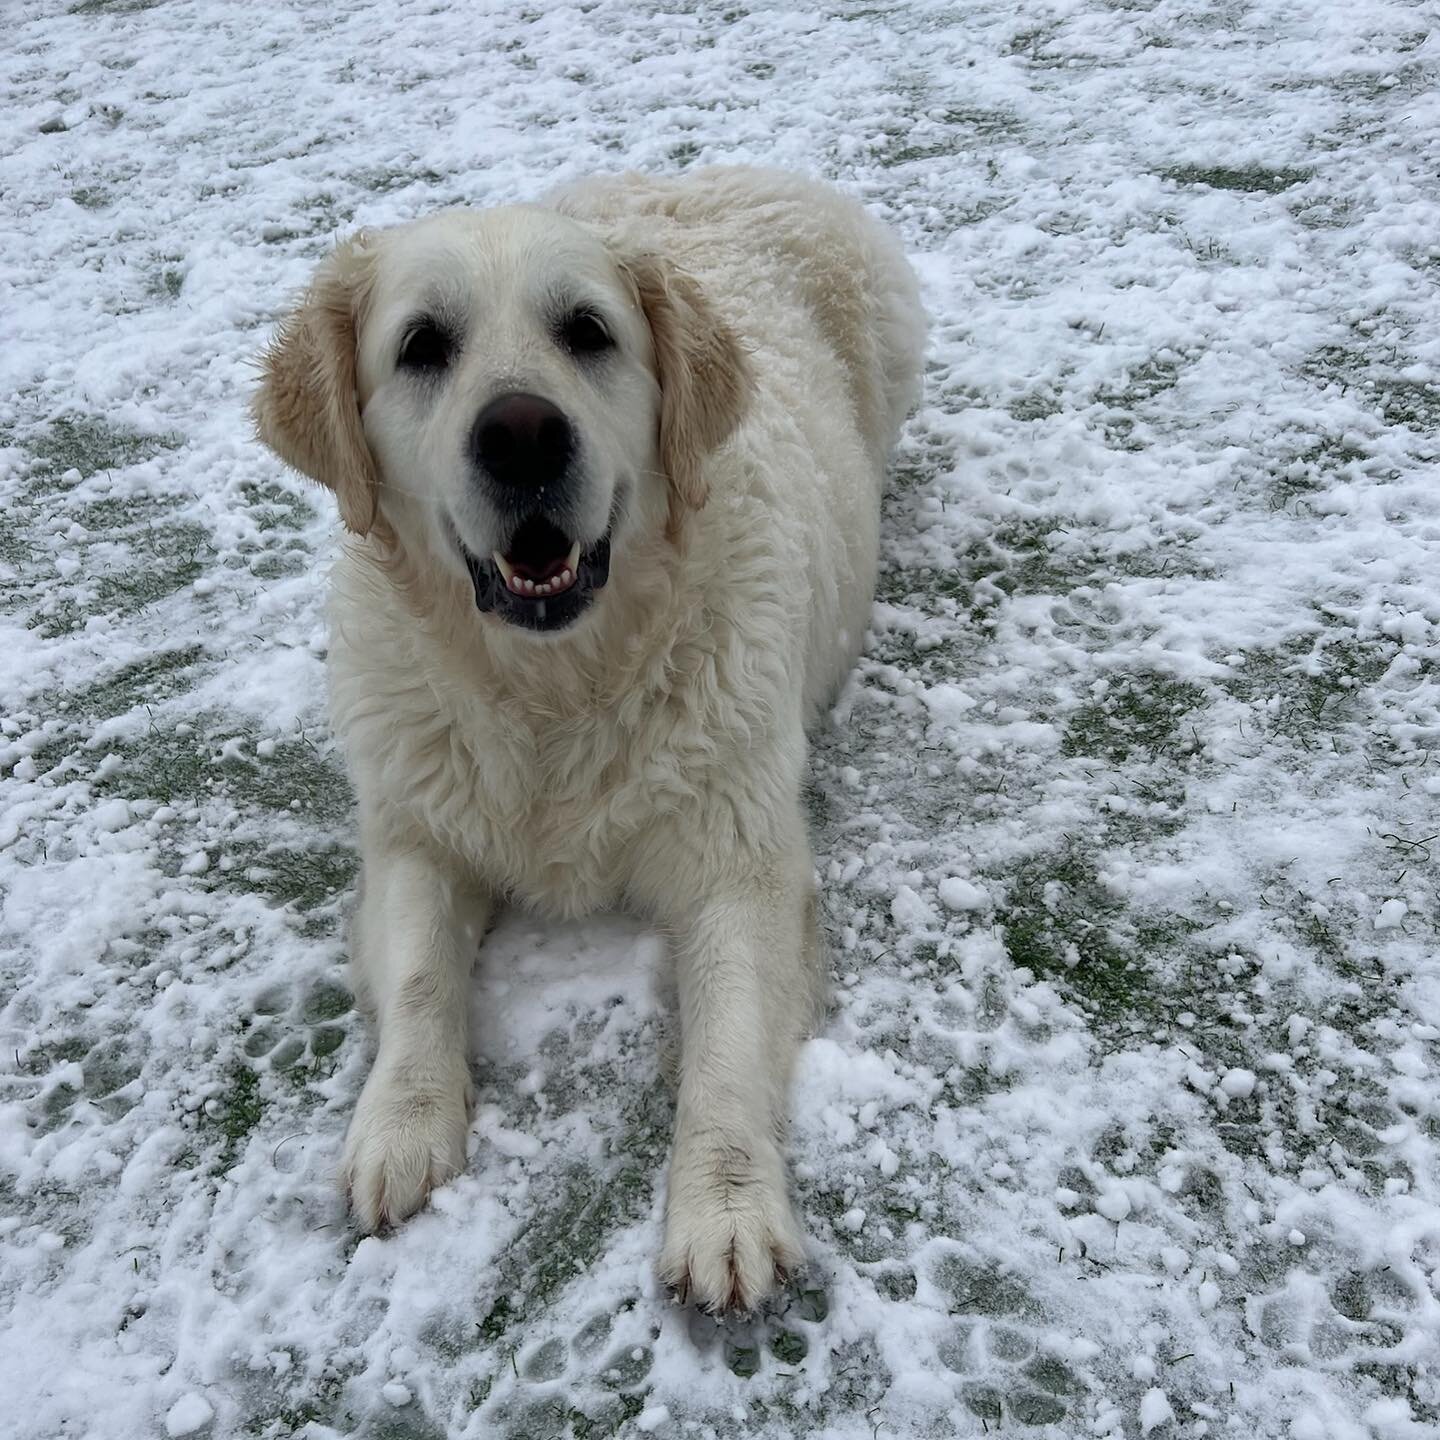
[(548, 571)]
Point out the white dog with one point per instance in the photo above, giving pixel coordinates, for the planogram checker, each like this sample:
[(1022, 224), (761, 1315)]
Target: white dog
[(612, 468)]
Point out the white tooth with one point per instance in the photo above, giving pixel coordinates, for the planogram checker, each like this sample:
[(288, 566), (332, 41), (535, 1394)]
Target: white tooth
[(506, 568), (573, 558), (542, 588), (567, 577)]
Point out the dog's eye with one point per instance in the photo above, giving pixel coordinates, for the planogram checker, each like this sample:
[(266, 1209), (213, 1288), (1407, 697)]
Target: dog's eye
[(584, 333), (426, 347)]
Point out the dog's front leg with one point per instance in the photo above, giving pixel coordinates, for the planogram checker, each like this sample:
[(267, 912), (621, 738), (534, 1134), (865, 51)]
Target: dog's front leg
[(746, 977), (414, 944)]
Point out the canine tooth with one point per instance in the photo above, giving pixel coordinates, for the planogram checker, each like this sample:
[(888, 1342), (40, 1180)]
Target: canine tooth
[(506, 568), (573, 558)]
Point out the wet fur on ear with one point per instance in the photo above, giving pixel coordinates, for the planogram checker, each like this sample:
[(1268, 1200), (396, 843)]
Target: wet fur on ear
[(307, 410), (705, 379)]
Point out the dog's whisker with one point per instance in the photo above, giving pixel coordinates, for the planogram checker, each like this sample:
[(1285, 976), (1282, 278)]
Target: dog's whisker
[(401, 489)]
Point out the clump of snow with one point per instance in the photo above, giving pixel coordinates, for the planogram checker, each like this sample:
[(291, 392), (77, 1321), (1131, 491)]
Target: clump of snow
[(1391, 915), (947, 703), (1155, 1410), (188, 1416), (911, 911), (1113, 1204), (959, 894)]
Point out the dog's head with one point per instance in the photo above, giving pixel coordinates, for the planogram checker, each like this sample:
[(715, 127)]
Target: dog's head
[(515, 395)]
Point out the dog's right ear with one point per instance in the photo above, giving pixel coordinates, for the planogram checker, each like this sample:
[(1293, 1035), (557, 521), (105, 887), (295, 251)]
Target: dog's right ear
[(307, 410)]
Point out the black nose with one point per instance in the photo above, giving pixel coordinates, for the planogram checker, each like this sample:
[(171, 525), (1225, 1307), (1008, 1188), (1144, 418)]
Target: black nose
[(522, 440)]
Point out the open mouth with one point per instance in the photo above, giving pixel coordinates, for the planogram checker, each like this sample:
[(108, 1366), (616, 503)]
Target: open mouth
[(543, 579)]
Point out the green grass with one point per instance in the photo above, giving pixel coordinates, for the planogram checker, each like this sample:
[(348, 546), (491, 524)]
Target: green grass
[(1368, 376), (166, 552), (1061, 923), (307, 878), (1050, 555), (1141, 715), (383, 180), (587, 1207), (981, 1287), (170, 558), (239, 1111), (1142, 382), (963, 131), (113, 7), (1247, 179), (273, 507), (1322, 681), (159, 676), (169, 767), (1036, 405), (90, 444), (327, 1002), (120, 516), (167, 283)]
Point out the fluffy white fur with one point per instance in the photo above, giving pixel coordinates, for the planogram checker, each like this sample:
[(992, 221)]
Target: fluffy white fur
[(768, 344)]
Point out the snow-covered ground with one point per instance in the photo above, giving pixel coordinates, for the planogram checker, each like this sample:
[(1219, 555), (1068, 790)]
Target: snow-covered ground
[(1127, 1118)]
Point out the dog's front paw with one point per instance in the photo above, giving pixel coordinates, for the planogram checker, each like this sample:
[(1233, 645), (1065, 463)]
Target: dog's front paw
[(730, 1235), (407, 1137)]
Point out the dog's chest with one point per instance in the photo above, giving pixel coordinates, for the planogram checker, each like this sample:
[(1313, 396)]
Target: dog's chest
[(546, 806)]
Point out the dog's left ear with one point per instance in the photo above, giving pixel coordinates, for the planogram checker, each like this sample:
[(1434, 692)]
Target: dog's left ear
[(705, 380), (307, 410)]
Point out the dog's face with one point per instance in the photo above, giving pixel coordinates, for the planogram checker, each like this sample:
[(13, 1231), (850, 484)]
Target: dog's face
[(515, 396), (507, 388)]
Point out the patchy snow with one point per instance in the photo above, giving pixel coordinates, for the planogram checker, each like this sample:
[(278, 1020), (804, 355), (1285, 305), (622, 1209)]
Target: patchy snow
[(1127, 1117)]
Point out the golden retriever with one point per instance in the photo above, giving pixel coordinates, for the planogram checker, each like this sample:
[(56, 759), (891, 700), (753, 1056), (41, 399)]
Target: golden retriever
[(611, 467)]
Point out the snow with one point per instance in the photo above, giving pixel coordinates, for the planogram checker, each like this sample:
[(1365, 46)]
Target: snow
[(1155, 1410), (1392, 914), (958, 894), (1113, 1204), (188, 1415), (1125, 826)]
